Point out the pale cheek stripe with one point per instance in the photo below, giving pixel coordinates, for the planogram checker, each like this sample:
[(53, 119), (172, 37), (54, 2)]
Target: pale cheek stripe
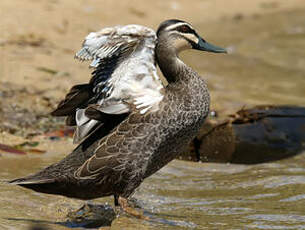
[(191, 37)]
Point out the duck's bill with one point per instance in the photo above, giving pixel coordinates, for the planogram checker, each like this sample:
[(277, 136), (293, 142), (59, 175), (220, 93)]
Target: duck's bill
[(205, 46)]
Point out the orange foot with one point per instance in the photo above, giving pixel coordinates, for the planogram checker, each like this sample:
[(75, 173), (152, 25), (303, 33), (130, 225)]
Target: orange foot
[(129, 210)]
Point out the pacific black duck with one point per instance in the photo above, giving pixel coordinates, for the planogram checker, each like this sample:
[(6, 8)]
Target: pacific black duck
[(129, 124)]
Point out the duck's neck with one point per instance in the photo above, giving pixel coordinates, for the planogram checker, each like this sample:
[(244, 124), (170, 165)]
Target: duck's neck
[(170, 64)]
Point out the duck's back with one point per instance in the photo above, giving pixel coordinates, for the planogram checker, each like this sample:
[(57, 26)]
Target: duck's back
[(139, 146), (144, 143)]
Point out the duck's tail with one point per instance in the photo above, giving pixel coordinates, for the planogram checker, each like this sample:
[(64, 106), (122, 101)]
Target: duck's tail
[(53, 186), (38, 184), (24, 181)]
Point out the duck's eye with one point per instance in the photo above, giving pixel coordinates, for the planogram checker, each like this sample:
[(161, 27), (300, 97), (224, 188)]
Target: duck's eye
[(184, 29)]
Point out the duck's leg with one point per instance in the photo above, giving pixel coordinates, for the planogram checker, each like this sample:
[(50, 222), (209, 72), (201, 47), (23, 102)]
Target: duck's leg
[(123, 202), (116, 201)]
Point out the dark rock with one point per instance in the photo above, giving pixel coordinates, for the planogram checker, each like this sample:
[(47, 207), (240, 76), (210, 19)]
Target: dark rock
[(250, 136), (91, 216)]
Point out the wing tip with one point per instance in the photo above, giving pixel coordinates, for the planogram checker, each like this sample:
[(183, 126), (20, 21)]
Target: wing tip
[(83, 54)]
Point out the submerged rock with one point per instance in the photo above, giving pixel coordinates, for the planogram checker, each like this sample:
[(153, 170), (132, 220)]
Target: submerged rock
[(91, 216), (250, 136)]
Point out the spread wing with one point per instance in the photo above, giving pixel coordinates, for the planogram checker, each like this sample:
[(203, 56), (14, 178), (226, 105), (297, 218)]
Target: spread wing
[(124, 78)]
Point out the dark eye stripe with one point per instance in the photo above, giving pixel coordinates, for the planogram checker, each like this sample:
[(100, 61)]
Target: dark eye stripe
[(185, 29)]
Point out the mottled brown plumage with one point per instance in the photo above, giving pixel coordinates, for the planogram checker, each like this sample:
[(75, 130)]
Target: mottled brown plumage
[(127, 148)]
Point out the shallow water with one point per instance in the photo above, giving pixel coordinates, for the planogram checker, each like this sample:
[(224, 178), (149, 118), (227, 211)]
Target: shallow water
[(183, 195), (267, 65)]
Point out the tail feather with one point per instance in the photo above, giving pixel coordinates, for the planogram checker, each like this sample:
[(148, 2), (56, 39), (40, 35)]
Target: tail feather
[(44, 185), (53, 186), (29, 180)]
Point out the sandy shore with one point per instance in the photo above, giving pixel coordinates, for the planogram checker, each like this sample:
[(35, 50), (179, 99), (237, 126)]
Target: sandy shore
[(46, 34)]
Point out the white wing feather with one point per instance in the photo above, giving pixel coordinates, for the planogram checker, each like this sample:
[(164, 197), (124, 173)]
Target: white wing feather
[(134, 83)]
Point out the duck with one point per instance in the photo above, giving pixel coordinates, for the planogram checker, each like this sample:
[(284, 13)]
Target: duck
[(129, 123)]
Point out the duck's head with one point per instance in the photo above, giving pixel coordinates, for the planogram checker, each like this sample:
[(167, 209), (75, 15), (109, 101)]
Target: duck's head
[(180, 35)]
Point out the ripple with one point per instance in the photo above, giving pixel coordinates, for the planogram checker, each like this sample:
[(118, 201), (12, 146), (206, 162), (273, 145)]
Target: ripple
[(285, 180), (278, 218), (227, 211), (294, 198), (266, 195), (259, 225)]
